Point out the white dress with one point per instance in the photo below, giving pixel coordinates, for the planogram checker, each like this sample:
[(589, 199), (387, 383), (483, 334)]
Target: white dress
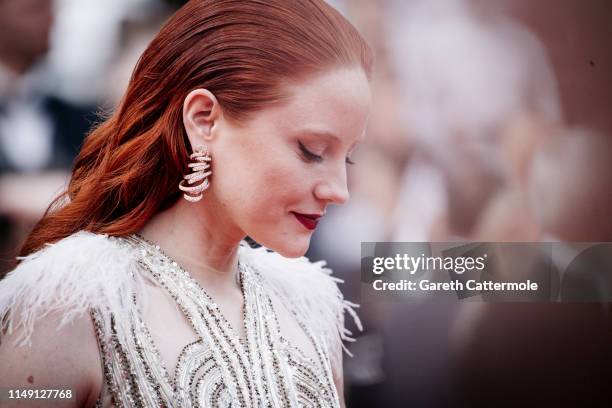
[(165, 343)]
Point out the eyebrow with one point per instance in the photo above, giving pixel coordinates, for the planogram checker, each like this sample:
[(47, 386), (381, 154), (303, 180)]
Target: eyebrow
[(324, 134), (327, 135)]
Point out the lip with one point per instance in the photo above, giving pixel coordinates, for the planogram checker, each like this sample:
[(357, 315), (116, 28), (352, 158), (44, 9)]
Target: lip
[(309, 221)]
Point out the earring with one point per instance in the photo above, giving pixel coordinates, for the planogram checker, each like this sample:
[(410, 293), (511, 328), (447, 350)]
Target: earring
[(200, 171)]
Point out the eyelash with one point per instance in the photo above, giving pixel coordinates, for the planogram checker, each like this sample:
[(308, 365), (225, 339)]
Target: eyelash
[(310, 156)]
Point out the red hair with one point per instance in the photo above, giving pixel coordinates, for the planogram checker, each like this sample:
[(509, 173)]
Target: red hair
[(242, 51)]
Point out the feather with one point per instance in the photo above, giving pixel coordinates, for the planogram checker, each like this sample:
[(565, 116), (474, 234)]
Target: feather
[(71, 276), (87, 270), (309, 288)]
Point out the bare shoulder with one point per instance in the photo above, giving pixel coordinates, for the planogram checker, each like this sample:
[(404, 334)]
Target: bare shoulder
[(70, 277), (64, 358)]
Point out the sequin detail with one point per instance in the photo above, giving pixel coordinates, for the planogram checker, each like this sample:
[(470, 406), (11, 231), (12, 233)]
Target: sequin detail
[(218, 369)]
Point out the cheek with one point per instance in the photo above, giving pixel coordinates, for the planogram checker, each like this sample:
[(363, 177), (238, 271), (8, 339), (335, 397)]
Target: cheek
[(261, 190), (267, 218), (277, 186)]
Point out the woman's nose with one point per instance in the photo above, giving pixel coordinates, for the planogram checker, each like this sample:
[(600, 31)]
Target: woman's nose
[(333, 189)]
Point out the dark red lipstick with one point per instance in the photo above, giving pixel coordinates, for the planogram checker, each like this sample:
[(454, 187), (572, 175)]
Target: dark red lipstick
[(310, 221)]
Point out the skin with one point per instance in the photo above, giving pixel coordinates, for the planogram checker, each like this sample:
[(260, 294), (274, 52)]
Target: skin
[(57, 359), (260, 175), (258, 199)]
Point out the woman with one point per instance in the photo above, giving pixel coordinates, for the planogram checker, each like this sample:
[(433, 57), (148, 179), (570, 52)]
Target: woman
[(239, 121)]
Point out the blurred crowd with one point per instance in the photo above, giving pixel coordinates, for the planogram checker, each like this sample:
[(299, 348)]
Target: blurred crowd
[(491, 122)]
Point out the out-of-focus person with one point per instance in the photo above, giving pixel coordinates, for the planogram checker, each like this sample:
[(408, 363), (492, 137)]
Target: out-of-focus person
[(466, 78), (545, 354), (571, 188), (40, 133)]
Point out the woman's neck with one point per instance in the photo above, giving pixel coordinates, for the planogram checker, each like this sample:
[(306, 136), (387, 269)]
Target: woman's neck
[(196, 236)]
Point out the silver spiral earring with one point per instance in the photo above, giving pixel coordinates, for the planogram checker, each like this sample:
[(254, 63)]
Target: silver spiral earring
[(200, 171)]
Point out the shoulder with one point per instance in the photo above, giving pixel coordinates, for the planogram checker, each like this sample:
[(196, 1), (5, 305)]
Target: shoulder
[(77, 273), (311, 290), (63, 359)]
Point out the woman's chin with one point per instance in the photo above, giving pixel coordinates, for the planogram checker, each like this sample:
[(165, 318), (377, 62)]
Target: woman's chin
[(289, 248)]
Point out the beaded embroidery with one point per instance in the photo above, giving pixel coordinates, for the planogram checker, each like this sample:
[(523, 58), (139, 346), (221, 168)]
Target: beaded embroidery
[(219, 369)]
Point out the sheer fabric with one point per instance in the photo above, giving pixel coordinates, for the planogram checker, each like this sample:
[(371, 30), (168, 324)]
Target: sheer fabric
[(163, 340)]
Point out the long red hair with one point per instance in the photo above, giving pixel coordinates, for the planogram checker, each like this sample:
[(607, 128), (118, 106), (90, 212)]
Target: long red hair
[(242, 51)]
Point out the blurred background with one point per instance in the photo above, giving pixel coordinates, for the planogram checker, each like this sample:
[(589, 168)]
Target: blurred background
[(492, 121)]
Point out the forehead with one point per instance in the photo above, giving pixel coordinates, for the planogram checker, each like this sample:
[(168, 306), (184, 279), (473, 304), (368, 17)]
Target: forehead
[(336, 102)]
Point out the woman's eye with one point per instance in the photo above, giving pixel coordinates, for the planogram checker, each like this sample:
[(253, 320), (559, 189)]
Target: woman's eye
[(308, 155)]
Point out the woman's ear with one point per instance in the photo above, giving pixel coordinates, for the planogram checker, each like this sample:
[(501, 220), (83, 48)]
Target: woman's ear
[(201, 111)]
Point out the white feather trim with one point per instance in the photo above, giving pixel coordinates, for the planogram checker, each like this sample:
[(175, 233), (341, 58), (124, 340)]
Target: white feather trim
[(310, 289), (78, 272), (87, 270)]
